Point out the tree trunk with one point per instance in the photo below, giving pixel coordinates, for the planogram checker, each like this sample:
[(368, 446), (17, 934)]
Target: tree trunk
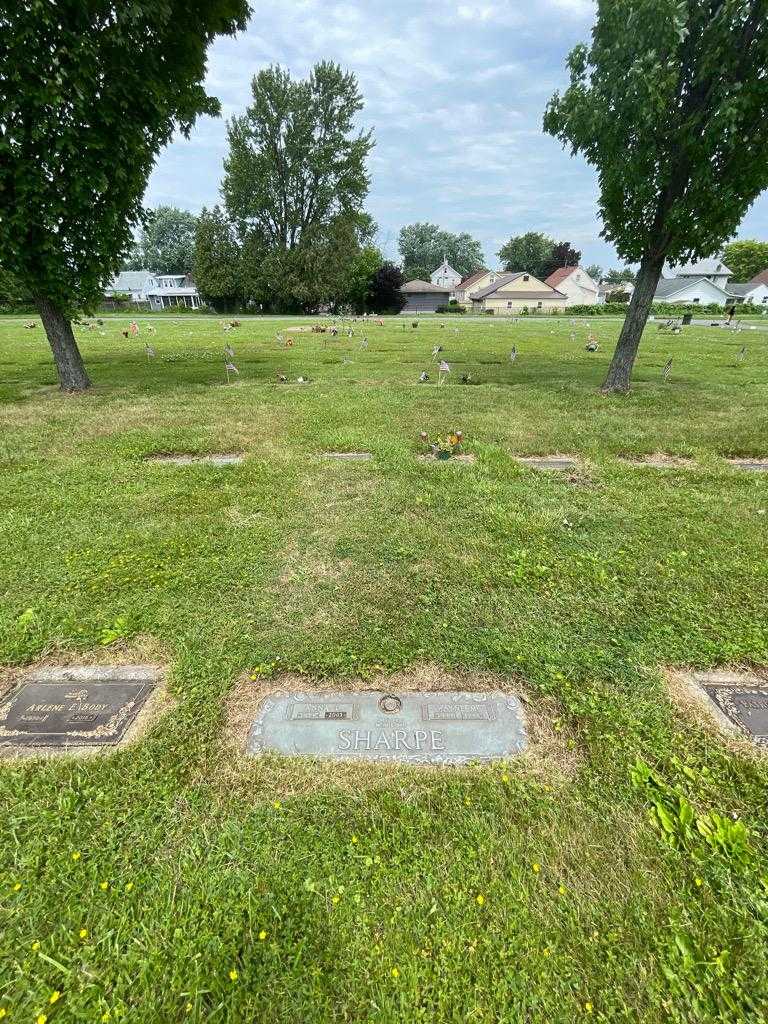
[(66, 354), (620, 370)]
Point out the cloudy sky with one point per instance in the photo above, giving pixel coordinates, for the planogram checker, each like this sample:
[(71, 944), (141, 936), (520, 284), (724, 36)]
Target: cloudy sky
[(454, 90)]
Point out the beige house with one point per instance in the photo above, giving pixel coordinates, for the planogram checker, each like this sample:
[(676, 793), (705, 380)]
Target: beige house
[(464, 291), (576, 284), (511, 294)]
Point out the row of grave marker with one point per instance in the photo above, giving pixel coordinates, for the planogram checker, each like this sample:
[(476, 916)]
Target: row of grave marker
[(64, 709)]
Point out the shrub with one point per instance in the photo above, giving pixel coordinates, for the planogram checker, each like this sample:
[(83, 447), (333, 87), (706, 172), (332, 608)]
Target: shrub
[(452, 307)]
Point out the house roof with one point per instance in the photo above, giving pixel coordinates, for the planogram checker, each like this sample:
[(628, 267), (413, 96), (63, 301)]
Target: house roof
[(741, 289), (418, 287), (186, 290), (558, 276), (445, 265), (671, 286), (497, 288), (130, 280), (704, 268), (469, 281), (761, 278)]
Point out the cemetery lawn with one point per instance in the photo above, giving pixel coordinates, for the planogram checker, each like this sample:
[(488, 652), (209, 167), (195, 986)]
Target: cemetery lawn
[(173, 880)]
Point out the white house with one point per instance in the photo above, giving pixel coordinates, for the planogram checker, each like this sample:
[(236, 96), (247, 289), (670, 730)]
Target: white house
[(576, 284), (696, 291), (131, 282), (445, 276), (604, 290), (161, 291), (713, 270), (751, 294), (172, 290)]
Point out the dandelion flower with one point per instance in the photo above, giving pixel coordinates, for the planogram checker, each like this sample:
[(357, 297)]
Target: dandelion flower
[(233, 975), (106, 1015), (76, 855), (588, 1007), (277, 805), (353, 839), (41, 1019), (481, 899), (545, 951), (103, 886), (505, 778), (83, 933), (35, 946), (188, 1007), (335, 899), (129, 886), (55, 997), (699, 882), (562, 890), (3, 1012), (395, 972), (536, 868), (262, 935), (17, 887)]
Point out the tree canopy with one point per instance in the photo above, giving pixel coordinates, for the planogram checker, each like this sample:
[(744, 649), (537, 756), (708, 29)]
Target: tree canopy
[(90, 91), (423, 247), (167, 242), (538, 254), (746, 258), (668, 104), (384, 295), (217, 262)]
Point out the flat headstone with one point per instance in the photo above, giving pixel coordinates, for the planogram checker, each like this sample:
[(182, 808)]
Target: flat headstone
[(195, 460), (410, 728), (463, 458), (744, 706), (659, 461), (557, 462), (349, 456), (75, 707), (751, 465)]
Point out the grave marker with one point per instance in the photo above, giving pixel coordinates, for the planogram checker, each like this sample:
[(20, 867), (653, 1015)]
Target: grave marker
[(76, 707), (411, 728)]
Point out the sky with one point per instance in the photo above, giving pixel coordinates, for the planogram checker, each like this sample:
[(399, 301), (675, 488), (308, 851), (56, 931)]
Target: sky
[(455, 92)]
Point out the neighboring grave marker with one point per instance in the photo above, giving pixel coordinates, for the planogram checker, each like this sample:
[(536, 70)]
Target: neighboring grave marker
[(451, 727), (745, 707), (75, 707), (562, 463)]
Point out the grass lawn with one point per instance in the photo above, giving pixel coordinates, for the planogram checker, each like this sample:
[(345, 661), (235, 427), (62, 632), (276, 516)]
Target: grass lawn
[(174, 880)]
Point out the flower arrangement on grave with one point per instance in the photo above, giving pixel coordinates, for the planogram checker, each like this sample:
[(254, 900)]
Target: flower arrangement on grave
[(443, 446)]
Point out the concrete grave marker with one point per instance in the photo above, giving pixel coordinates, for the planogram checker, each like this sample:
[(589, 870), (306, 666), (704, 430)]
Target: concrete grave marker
[(410, 728), (231, 459), (750, 465), (349, 456), (74, 707), (737, 702), (561, 463)]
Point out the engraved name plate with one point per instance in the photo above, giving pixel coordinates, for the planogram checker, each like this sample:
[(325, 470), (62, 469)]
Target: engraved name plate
[(414, 728)]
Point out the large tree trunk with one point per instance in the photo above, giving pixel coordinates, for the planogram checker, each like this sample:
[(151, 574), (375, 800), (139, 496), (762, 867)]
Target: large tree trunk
[(620, 370), (66, 354)]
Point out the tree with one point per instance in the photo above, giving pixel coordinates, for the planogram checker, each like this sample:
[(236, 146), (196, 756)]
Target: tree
[(563, 255), (167, 243), (384, 295), (668, 103), (746, 259), (595, 271), (530, 252), (361, 271), (295, 164), (89, 94), (423, 246), (216, 264), (620, 276)]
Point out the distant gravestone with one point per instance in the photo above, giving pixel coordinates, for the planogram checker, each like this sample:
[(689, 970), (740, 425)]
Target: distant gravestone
[(411, 728), (197, 460), (745, 707), (750, 465), (561, 463), (89, 706), (349, 456)]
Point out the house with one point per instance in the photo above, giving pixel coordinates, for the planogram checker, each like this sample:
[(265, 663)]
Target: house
[(754, 293), (445, 276), (161, 291), (511, 294), (761, 278), (424, 297), (171, 290), (604, 289), (464, 291), (133, 283), (576, 284), (713, 270), (696, 291)]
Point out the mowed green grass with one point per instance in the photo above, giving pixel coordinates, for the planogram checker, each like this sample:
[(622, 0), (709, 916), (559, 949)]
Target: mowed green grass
[(283, 891)]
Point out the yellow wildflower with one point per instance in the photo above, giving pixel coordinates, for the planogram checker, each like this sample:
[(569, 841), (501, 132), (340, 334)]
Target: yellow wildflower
[(103, 886), (545, 951), (562, 890), (536, 868), (76, 855), (188, 1007), (55, 997), (262, 935), (129, 886), (41, 1019), (3, 1012), (395, 972), (83, 933), (588, 1007), (17, 887), (505, 778), (481, 899), (106, 1015), (233, 975), (335, 899), (35, 946), (699, 881), (353, 839), (277, 805)]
